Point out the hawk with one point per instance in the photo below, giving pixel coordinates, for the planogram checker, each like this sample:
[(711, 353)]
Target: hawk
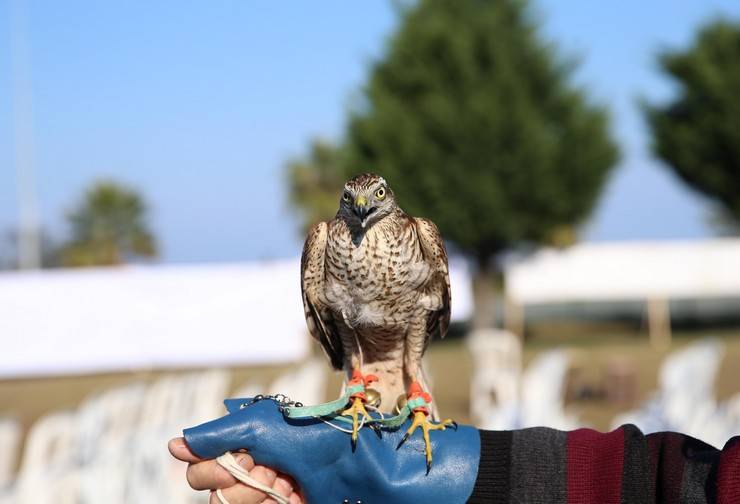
[(375, 290)]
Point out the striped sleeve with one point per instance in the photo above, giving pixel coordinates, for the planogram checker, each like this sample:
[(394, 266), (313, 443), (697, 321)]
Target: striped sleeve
[(619, 467)]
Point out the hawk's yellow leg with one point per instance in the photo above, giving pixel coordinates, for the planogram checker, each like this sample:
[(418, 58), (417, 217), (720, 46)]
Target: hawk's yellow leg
[(421, 419), (356, 409)]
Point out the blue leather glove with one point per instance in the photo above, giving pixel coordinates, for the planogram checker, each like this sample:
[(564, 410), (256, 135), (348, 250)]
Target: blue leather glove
[(322, 461)]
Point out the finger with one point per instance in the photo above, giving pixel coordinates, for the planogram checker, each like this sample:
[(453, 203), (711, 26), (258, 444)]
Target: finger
[(209, 474), (283, 486), (180, 450), (243, 494)]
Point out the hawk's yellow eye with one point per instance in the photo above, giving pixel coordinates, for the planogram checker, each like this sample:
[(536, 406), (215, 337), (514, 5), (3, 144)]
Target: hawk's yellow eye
[(346, 197), (380, 193)]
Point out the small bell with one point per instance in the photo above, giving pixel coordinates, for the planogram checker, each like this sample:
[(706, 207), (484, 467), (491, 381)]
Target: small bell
[(373, 397), (401, 403)]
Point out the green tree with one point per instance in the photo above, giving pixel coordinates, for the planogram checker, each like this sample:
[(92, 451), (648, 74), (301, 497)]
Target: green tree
[(698, 133), (108, 227), (314, 183), (475, 122)]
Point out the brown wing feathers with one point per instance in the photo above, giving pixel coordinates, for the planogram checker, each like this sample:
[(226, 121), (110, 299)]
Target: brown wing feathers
[(320, 322), (433, 248)]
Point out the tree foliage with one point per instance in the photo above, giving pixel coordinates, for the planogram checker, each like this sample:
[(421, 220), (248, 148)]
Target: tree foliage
[(108, 227), (475, 123), (698, 133)]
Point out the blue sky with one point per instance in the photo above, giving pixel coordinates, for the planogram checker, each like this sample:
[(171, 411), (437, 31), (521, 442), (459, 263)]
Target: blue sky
[(199, 105)]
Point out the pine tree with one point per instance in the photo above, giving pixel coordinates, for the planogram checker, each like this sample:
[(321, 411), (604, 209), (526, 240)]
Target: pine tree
[(473, 119)]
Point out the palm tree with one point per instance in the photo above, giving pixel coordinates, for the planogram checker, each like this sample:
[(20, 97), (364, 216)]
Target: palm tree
[(108, 227)]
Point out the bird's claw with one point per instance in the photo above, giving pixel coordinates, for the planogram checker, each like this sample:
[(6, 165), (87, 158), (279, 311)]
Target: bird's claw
[(356, 409), (403, 440), (421, 420), (376, 429)]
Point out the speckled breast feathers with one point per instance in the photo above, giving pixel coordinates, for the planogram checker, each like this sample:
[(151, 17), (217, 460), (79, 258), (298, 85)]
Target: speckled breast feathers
[(375, 282)]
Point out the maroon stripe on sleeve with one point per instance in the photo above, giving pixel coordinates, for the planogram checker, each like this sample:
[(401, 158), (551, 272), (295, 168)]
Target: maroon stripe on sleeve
[(728, 475), (595, 466)]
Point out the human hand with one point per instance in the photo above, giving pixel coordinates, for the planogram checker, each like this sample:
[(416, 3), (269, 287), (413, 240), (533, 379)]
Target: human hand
[(209, 475), (327, 469)]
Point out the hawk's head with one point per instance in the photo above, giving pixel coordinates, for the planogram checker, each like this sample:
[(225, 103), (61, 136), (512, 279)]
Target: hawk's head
[(366, 199)]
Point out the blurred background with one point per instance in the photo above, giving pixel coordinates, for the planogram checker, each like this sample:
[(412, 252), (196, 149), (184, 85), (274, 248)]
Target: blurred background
[(161, 163)]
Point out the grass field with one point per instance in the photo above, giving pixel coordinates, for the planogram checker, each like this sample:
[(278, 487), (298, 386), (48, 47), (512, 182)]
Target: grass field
[(449, 363)]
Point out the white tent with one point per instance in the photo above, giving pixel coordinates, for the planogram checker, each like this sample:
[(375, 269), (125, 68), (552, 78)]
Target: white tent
[(651, 271), (77, 321), (141, 317)]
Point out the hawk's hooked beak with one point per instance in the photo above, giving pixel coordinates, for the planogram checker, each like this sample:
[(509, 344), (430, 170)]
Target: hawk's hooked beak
[(362, 209)]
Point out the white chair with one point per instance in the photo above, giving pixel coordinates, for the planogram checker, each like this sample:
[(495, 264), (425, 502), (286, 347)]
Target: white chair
[(107, 418), (543, 392), (55, 488), (113, 449), (687, 384), (10, 438), (732, 407), (686, 400), (209, 390), (49, 443), (649, 418), (156, 404), (187, 399), (152, 476), (249, 389), (494, 386), (306, 384), (47, 473)]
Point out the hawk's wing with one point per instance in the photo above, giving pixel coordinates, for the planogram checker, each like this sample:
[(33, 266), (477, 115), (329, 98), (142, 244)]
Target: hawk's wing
[(438, 286), (318, 317)]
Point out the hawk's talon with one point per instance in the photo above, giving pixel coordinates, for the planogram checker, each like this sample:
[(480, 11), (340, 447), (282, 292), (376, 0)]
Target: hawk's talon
[(376, 429), (403, 440), (356, 409), (421, 420)]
